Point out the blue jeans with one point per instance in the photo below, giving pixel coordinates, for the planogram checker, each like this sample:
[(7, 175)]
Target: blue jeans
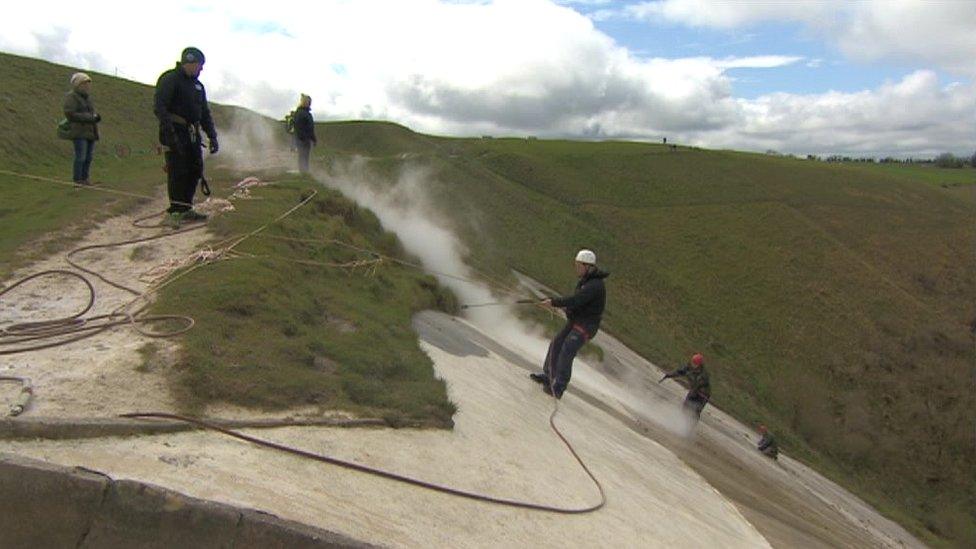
[(559, 360), (84, 150)]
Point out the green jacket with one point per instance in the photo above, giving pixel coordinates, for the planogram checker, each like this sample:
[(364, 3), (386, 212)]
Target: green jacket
[(80, 112), (697, 377)]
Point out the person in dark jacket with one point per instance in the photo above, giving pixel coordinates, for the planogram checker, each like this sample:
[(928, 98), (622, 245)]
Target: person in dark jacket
[(767, 444), (584, 310), (304, 131), (700, 390), (83, 121), (181, 107)]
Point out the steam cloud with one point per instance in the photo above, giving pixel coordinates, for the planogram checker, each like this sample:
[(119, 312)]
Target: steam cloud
[(255, 143)]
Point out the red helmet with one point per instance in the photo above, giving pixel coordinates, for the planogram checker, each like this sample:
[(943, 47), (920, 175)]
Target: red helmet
[(697, 359)]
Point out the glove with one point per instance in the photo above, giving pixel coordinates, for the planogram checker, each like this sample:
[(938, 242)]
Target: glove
[(98, 117), (214, 147)]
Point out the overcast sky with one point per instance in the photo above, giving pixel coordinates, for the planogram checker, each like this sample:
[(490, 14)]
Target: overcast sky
[(873, 77)]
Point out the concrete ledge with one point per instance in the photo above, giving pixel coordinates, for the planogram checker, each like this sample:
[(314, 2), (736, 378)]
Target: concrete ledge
[(45, 505), (63, 428), (140, 515), (259, 529)]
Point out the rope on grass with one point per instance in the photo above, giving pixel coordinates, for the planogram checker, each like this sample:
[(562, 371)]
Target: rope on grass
[(37, 335)]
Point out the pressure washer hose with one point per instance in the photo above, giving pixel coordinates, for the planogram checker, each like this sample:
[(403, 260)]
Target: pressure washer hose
[(394, 476)]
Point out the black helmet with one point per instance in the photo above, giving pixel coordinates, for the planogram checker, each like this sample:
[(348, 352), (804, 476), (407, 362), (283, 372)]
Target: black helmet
[(192, 55)]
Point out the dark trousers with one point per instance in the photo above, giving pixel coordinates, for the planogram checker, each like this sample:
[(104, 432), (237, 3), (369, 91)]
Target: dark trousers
[(694, 404), (184, 168), (559, 359), (84, 150), (304, 148)]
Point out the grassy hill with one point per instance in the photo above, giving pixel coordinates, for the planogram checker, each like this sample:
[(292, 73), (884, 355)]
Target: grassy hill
[(834, 302), (125, 156), (271, 333)]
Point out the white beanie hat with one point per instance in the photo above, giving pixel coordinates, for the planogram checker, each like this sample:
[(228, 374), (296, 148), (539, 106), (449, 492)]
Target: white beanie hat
[(79, 78)]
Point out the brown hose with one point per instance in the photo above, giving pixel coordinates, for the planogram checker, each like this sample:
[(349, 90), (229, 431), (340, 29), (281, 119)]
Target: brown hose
[(75, 328), (394, 476)]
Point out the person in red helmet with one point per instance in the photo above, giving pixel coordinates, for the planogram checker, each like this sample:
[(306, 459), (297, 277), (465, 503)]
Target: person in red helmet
[(767, 444), (700, 390)]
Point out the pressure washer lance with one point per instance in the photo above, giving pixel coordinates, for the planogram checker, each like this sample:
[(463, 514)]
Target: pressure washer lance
[(495, 303)]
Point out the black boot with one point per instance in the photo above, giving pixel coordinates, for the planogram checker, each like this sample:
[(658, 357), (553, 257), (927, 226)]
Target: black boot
[(540, 378)]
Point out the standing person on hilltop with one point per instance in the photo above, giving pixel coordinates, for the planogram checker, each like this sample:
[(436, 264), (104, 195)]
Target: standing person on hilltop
[(304, 131), (700, 390), (181, 107), (80, 126), (584, 310)]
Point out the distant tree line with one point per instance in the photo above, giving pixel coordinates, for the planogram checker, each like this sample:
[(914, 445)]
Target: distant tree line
[(944, 160)]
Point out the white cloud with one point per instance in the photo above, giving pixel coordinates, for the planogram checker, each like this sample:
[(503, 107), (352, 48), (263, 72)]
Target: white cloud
[(914, 116), (940, 33), (727, 15), (584, 2), (758, 62), (469, 68)]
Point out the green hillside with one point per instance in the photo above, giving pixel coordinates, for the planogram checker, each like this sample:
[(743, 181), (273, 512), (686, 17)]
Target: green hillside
[(125, 156), (834, 302)]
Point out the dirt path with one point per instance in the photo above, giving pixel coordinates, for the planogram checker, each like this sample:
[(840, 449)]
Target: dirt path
[(103, 375)]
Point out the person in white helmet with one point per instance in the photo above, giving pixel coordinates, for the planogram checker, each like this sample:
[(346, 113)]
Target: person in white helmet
[(584, 309)]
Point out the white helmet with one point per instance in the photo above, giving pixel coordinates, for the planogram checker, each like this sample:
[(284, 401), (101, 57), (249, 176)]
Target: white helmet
[(586, 256)]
